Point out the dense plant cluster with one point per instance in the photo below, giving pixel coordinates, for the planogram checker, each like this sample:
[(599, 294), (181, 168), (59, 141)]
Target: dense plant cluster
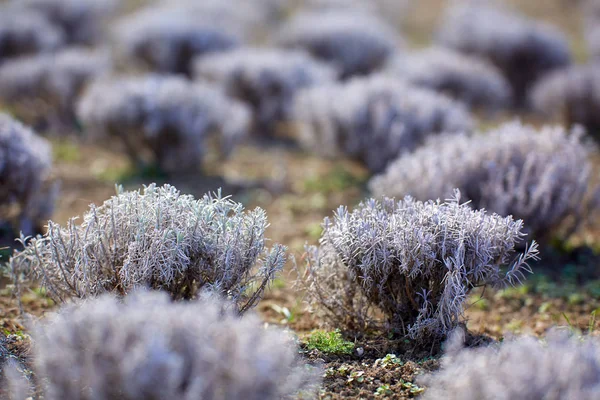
[(26, 194), (374, 119), (542, 177), (466, 78), (166, 39), (560, 367), (80, 21), (523, 50), (393, 11), (415, 262), (354, 42), (248, 15), (265, 79), (165, 116), (591, 10), (23, 33), (572, 94), (146, 347), (55, 79), (156, 238)]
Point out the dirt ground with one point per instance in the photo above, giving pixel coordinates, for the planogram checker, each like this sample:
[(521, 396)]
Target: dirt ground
[(298, 190)]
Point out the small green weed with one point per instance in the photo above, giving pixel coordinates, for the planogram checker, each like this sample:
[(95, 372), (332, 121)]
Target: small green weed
[(329, 342), (384, 390), (389, 361), (412, 388)]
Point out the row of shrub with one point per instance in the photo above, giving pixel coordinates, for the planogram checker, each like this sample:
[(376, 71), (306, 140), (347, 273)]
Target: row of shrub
[(326, 47), (400, 268), (542, 176)]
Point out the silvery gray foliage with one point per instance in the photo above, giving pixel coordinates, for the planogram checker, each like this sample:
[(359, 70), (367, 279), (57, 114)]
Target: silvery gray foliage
[(466, 78), (80, 21), (373, 119), (55, 78), (160, 239), (591, 11), (168, 117), (573, 94), (23, 33), (166, 38), (248, 15), (356, 43), (592, 37), (26, 194), (414, 262), (13, 384), (393, 11), (266, 79), (542, 177), (522, 49), (559, 367), (146, 347)]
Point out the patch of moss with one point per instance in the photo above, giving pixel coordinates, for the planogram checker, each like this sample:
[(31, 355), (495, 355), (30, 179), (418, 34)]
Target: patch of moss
[(329, 343)]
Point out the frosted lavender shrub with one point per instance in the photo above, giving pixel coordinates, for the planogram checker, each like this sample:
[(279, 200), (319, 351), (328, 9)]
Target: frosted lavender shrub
[(166, 39), (572, 94), (26, 194), (412, 262), (23, 33), (162, 119), (356, 43), (468, 79), (247, 15), (56, 79), (373, 119), (393, 11), (148, 348), (522, 49), (160, 239), (542, 177), (81, 21), (525, 368), (266, 79), (591, 11)]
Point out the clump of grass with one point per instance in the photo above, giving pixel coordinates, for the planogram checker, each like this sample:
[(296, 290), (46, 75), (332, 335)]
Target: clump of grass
[(329, 343)]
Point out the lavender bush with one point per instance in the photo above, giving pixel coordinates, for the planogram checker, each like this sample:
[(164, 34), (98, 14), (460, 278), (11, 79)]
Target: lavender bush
[(23, 33), (542, 177), (156, 238), (373, 119), (410, 261), (166, 39), (525, 368), (355, 43), (522, 49), (249, 15), (572, 94), (591, 11), (393, 11), (466, 78), (162, 120), (26, 194), (148, 348), (50, 81), (266, 79), (80, 21)]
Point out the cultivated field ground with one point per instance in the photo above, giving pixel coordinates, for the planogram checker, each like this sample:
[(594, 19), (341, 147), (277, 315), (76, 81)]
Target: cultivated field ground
[(298, 187)]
